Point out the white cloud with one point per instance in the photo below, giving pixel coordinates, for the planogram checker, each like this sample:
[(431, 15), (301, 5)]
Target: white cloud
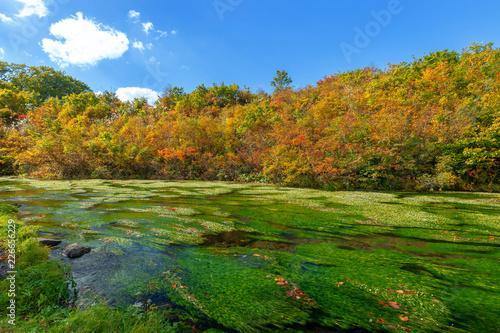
[(147, 27), (33, 7), (149, 46), (132, 14), (5, 18), (2, 53), (129, 93), (173, 32), (138, 45), (86, 42)]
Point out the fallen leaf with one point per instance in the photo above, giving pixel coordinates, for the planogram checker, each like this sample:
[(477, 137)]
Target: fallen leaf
[(380, 320), (394, 305), (403, 318), (174, 285), (435, 300)]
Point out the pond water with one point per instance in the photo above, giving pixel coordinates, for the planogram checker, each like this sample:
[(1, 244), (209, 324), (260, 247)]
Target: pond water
[(251, 257)]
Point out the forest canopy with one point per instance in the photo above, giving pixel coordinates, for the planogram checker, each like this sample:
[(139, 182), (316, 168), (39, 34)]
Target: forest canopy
[(430, 124)]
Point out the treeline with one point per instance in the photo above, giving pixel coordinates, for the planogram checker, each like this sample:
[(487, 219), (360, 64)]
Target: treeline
[(430, 124)]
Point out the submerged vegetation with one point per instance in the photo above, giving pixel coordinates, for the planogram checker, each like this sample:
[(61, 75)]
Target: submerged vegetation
[(225, 257), (431, 124)]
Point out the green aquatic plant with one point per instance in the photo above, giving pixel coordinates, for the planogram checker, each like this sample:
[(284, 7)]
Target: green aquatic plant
[(264, 258)]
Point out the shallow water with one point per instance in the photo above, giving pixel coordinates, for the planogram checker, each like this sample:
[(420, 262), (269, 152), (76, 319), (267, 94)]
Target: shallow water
[(261, 258)]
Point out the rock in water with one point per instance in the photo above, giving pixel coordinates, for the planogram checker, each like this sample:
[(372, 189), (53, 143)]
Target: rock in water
[(75, 250), (49, 242)]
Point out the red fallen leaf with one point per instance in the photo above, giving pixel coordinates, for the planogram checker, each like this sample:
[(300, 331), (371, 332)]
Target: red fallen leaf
[(280, 283), (391, 290), (279, 279), (405, 328), (174, 285), (372, 313), (184, 287), (289, 293), (106, 279), (172, 209), (380, 320), (403, 318), (394, 305), (268, 276), (435, 300), (380, 302)]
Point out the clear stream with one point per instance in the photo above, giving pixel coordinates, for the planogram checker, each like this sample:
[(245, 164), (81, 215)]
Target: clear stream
[(251, 257)]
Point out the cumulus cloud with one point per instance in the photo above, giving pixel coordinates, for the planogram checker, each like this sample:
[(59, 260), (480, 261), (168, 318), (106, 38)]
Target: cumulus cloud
[(33, 7), (85, 42), (148, 26), (138, 45), (2, 53), (5, 18), (129, 93), (133, 15)]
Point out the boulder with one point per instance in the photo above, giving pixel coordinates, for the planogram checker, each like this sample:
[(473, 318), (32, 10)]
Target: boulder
[(75, 250), (49, 242)]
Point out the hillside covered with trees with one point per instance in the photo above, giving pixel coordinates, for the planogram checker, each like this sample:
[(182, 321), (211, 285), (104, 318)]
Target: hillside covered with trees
[(430, 124)]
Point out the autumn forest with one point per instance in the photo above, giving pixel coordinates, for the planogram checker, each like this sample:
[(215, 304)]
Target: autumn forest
[(431, 124)]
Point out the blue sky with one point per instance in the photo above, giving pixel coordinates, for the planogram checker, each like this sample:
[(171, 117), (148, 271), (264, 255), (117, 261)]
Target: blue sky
[(141, 47)]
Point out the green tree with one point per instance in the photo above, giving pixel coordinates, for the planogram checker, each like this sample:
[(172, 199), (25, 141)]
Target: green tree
[(281, 82), (44, 81)]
